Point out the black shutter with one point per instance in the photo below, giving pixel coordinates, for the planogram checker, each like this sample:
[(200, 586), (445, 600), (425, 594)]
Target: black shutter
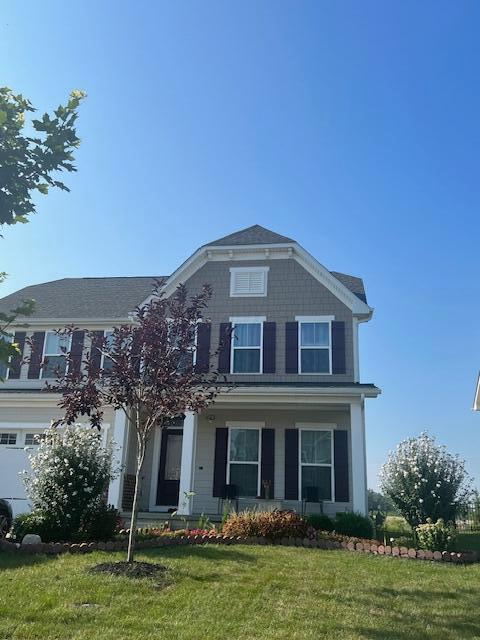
[(291, 464), (16, 361), (224, 350), (291, 347), (220, 462), (340, 455), (36, 354), (268, 462), (77, 350), (338, 347), (95, 355), (269, 339), (202, 363)]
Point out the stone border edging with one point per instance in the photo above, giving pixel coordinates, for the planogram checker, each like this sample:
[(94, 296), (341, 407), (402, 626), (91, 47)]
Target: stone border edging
[(54, 548)]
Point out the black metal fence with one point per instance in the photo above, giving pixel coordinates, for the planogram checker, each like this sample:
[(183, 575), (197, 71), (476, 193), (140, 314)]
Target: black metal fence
[(469, 518)]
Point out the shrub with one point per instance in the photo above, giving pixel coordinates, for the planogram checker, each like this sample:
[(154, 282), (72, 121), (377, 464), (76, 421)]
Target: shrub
[(354, 524), (402, 541), (36, 522), (71, 470), (436, 536), (101, 523), (396, 524), (320, 521), (267, 524), (425, 481)]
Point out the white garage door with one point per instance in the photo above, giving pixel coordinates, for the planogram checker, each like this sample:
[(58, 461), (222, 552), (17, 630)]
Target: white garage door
[(13, 459)]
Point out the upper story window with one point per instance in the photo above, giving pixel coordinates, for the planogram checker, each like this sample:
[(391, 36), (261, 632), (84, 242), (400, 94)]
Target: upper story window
[(248, 281), (107, 363), (315, 344), (247, 343), (4, 366), (54, 357)]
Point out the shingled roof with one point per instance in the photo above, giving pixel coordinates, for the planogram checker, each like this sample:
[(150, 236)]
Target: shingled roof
[(83, 297), (251, 235), (116, 297)]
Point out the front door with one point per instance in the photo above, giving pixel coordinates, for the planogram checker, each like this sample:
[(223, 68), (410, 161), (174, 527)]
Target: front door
[(169, 469)]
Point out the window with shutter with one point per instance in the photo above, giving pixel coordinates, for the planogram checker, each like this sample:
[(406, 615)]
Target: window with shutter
[(248, 281)]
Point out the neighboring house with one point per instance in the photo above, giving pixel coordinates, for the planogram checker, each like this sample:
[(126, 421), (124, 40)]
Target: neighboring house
[(292, 428), (476, 400)]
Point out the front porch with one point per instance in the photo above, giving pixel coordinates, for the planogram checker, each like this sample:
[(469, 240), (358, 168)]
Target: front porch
[(265, 443)]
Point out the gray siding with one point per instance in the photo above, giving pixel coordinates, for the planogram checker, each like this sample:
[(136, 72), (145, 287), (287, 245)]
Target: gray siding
[(277, 419), (292, 291)]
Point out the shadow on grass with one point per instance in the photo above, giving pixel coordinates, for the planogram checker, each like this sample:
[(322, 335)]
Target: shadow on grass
[(419, 613), (208, 552), (16, 560)]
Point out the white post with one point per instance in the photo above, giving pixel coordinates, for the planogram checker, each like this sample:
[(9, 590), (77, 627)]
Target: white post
[(188, 460), (119, 433), (359, 458)]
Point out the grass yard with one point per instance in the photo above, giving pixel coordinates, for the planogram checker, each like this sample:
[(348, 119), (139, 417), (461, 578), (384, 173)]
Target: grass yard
[(252, 593)]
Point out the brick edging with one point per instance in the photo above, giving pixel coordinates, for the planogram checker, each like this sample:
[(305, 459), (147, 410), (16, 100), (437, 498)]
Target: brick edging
[(464, 557)]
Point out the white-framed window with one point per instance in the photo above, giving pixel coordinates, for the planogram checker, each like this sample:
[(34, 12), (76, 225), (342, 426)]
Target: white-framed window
[(315, 465), (248, 281), (5, 366), (8, 438), (54, 354), (244, 455), (247, 345), (33, 439), (106, 363), (315, 344)]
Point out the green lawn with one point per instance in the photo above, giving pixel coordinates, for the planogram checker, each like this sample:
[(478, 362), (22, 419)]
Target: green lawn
[(252, 593)]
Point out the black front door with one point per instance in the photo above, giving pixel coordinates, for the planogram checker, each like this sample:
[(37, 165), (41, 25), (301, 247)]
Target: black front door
[(169, 468)]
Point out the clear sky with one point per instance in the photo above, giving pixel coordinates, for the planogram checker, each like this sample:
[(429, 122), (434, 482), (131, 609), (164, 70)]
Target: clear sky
[(353, 127)]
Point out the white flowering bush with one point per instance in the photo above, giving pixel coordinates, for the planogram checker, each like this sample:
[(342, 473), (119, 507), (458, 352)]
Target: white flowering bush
[(425, 481), (70, 473), (436, 536)]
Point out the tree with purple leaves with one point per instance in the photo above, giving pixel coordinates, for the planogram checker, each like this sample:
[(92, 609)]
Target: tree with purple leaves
[(148, 371)]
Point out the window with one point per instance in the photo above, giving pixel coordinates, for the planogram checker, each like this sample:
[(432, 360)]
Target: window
[(3, 365), (54, 358), (316, 463), (33, 439), (8, 438), (314, 344), (244, 461), (107, 363), (248, 281), (247, 342)]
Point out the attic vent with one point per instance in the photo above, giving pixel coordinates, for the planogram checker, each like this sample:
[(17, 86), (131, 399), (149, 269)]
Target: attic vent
[(248, 281)]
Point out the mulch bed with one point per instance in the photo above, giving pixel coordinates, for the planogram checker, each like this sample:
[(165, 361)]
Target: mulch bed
[(131, 569)]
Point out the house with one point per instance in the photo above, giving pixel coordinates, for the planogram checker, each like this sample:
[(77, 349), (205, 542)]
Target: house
[(291, 432), (476, 399)]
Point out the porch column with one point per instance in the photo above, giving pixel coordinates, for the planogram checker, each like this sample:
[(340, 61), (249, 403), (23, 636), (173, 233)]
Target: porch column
[(187, 463), (119, 433), (359, 462)]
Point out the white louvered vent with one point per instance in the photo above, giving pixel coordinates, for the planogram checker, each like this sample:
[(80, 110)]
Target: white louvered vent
[(248, 281)]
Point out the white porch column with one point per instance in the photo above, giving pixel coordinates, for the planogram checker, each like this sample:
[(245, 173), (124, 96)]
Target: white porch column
[(119, 435), (187, 464), (359, 459)]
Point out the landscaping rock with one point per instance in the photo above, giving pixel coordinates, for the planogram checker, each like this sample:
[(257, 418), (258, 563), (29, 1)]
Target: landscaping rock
[(31, 538)]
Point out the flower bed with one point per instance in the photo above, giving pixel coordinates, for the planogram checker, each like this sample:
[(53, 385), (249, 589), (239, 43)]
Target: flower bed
[(318, 542)]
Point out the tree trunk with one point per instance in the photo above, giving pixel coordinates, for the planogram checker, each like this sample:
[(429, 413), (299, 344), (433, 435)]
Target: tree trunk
[(133, 521)]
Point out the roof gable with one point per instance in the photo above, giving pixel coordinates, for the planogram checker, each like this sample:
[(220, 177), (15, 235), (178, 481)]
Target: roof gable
[(251, 235)]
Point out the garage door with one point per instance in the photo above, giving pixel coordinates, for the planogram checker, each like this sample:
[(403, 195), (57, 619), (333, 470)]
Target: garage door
[(13, 460)]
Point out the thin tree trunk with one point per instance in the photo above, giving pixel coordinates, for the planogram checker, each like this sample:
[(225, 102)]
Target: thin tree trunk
[(133, 521)]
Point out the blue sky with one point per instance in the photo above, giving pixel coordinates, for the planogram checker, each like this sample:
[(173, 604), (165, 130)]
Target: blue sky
[(351, 126)]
